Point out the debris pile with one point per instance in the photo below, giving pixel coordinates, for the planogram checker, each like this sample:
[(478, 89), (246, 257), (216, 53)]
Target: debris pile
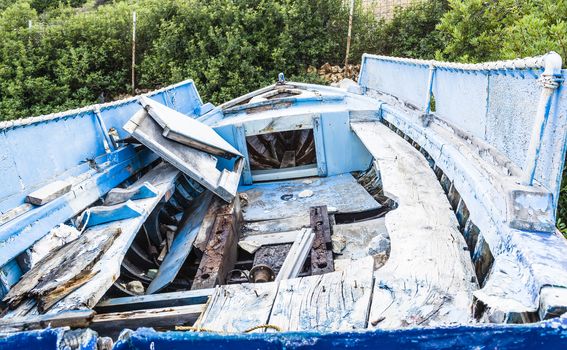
[(334, 74)]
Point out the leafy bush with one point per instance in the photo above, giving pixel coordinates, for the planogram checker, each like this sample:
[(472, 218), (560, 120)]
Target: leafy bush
[(480, 30), (71, 57)]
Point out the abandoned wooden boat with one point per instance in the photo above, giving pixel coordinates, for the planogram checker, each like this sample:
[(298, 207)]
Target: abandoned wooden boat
[(413, 208)]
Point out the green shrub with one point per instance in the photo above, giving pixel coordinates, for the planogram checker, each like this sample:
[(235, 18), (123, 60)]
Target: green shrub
[(71, 57)]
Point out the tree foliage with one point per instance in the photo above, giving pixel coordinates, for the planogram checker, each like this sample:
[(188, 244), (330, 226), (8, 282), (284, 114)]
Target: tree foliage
[(481, 30)]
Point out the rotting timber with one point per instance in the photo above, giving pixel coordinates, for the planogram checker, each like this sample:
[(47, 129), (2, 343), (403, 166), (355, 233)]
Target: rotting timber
[(296, 207)]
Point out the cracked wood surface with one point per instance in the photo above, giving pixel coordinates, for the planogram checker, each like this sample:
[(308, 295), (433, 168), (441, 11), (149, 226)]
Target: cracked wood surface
[(238, 307), (429, 278), (333, 301), (328, 302)]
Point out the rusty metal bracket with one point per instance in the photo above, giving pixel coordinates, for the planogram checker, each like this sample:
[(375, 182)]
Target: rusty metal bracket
[(321, 253)]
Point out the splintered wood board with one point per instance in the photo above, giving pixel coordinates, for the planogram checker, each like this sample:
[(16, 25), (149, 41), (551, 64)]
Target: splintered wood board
[(278, 200), (237, 307), (328, 302), (428, 279), (163, 177)]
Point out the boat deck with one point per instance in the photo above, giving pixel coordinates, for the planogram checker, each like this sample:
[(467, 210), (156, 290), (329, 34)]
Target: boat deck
[(428, 278)]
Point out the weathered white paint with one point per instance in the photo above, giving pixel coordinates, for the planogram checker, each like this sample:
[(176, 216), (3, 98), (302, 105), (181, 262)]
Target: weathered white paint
[(428, 278)]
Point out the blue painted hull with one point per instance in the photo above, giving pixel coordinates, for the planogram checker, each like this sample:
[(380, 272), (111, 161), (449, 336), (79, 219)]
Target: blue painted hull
[(549, 335)]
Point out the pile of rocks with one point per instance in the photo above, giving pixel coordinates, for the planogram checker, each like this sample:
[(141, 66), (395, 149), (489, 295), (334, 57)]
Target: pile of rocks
[(334, 74)]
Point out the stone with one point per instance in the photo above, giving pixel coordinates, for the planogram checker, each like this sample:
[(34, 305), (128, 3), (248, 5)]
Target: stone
[(380, 244), (339, 243), (135, 287)]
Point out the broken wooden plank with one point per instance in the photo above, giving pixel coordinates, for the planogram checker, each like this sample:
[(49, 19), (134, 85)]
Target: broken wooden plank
[(280, 200), (74, 318), (207, 225), (274, 226), (198, 165), (47, 245), (297, 255), (61, 272), (155, 301), (329, 302), (49, 192), (112, 324), (182, 243), (121, 195), (428, 278), (163, 178), (73, 272), (188, 131), (322, 249), (239, 307), (220, 254), (102, 214), (251, 243)]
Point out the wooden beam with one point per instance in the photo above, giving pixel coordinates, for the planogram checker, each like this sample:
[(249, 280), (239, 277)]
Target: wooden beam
[(112, 324), (75, 318), (49, 192), (288, 160), (297, 255), (155, 301), (138, 191)]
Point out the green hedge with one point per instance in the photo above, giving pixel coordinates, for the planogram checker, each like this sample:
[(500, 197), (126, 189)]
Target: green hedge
[(76, 56)]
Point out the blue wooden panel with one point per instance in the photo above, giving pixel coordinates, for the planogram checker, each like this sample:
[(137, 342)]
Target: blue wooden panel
[(182, 243), (102, 214), (9, 275), (343, 150), (240, 141), (407, 82), (35, 154), (18, 234), (41, 151)]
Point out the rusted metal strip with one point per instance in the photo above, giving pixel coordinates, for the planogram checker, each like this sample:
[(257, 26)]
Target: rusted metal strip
[(321, 253), (220, 254)]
